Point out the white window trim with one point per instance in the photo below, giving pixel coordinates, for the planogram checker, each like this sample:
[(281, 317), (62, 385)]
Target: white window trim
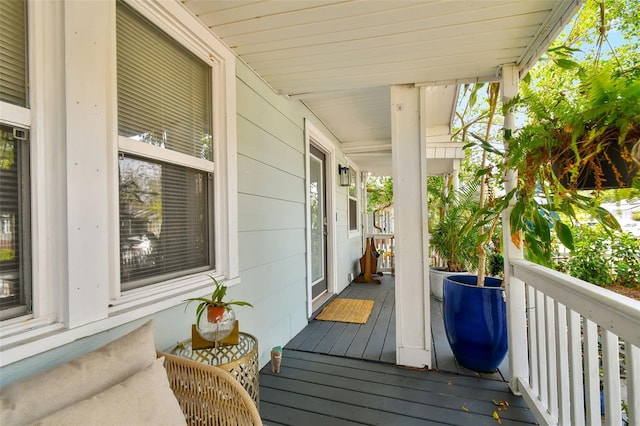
[(355, 233), (57, 322), (313, 134), (200, 42)]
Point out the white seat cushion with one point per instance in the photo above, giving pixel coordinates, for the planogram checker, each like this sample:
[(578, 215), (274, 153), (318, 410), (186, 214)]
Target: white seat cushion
[(143, 399), (33, 398)]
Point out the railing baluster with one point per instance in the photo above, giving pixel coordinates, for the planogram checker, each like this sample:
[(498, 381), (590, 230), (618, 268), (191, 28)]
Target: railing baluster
[(542, 349), (562, 365), (611, 368), (632, 363), (591, 372), (575, 369), (550, 341), (533, 340)]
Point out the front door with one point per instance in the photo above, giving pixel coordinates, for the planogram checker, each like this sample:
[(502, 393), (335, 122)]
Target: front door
[(318, 205)]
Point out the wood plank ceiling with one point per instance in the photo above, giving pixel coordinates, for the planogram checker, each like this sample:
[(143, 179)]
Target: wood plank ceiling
[(340, 57)]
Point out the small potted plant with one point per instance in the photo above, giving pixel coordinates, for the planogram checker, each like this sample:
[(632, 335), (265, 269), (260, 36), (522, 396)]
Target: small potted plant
[(220, 317)]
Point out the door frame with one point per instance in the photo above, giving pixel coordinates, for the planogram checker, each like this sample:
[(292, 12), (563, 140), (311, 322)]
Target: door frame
[(314, 136)]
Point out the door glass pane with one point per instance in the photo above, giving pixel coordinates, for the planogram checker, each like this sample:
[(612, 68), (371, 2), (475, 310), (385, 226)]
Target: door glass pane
[(317, 213)]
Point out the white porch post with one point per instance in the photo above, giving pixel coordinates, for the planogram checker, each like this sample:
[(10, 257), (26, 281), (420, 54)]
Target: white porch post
[(413, 328), (456, 175), (515, 290)]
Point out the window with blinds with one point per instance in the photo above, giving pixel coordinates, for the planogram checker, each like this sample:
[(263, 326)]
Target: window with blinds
[(353, 201), (13, 53), (164, 100)]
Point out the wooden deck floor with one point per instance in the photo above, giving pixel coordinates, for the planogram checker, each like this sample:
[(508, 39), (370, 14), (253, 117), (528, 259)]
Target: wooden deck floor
[(316, 389), (338, 373), (376, 340)]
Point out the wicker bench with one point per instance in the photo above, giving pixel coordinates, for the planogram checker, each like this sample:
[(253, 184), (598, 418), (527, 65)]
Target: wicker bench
[(209, 395)]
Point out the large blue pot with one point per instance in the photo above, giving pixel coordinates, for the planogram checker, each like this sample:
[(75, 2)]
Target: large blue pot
[(475, 319)]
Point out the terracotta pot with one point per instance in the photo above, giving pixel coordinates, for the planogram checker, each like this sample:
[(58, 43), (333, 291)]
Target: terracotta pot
[(215, 313), (217, 325)]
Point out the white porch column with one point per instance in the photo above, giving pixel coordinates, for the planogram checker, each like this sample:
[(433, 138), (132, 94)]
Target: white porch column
[(515, 290), (413, 328), (456, 175)]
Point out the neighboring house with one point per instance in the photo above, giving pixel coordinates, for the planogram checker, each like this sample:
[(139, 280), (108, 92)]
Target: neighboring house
[(143, 150)]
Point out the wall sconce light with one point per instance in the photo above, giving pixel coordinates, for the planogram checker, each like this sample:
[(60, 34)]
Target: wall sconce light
[(343, 172)]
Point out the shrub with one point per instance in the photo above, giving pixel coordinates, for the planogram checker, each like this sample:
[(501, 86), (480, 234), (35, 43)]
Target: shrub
[(625, 252), (589, 260), (604, 258)]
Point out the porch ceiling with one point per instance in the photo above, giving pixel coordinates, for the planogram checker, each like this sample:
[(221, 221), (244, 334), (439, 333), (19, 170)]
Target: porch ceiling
[(340, 57)]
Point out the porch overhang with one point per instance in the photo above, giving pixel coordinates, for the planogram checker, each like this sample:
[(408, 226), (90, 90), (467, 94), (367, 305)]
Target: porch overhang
[(341, 57)]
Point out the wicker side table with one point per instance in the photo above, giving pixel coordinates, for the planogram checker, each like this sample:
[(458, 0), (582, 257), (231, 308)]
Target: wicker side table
[(240, 360)]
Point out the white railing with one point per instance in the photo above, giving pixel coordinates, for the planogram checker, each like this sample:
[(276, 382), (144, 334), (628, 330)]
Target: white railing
[(582, 344), (384, 246)]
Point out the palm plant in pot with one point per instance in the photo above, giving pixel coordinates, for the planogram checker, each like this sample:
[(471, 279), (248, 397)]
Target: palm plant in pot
[(474, 308), (456, 251), (215, 318)]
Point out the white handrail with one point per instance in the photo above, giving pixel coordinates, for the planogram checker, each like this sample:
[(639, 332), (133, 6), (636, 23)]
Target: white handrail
[(610, 310)]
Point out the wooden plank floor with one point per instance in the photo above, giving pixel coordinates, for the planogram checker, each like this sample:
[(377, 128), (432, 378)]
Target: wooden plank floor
[(316, 389), (344, 374), (376, 339)]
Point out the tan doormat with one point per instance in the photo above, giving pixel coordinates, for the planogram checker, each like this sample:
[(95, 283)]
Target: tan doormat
[(347, 310)]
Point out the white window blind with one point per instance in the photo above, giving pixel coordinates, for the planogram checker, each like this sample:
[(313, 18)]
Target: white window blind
[(164, 99), (164, 226), (164, 91), (13, 52)]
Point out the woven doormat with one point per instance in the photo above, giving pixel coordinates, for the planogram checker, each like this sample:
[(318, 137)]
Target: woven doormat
[(347, 310)]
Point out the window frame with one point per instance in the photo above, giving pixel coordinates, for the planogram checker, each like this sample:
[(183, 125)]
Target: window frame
[(71, 298), (132, 148), (353, 233), (223, 227)]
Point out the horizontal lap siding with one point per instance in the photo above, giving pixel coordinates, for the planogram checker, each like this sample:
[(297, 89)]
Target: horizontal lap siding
[(271, 213)]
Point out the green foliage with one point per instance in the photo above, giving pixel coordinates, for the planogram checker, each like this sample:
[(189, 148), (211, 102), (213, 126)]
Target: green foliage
[(7, 254), (451, 238), (576, 104), (495, 264), (588, 260), (625, 251), (605, 258), (570, 125), (380, 193)]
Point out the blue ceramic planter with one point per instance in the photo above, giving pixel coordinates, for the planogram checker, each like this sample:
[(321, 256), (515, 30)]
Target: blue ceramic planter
[(475, 319)]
